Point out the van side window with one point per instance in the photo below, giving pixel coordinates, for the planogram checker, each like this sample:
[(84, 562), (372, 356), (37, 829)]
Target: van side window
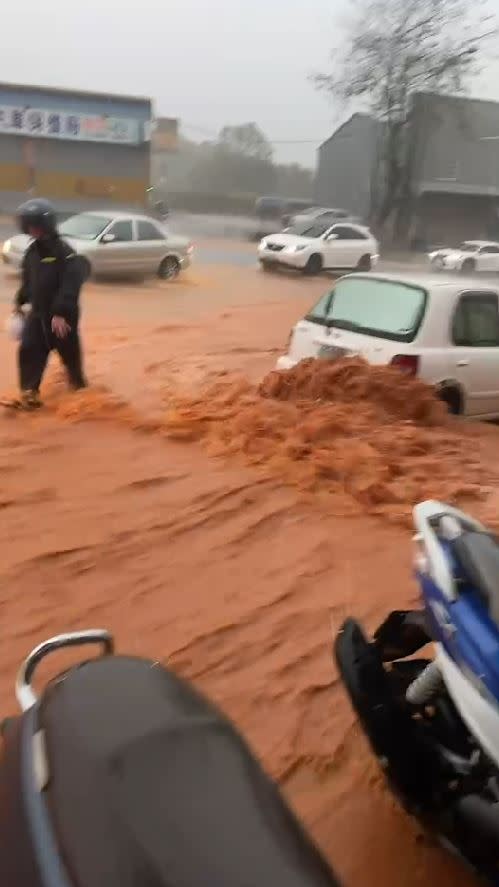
[(476, 321)]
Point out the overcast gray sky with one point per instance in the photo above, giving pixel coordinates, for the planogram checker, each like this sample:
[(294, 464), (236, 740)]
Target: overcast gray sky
[(208, 62)]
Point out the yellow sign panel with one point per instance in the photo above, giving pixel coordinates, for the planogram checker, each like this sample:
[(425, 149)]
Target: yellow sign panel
[(111, 189), (14, 177), (165, 135)]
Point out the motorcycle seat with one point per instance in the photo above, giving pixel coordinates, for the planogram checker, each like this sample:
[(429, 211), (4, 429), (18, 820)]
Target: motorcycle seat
[(478, 556), (151, 786)]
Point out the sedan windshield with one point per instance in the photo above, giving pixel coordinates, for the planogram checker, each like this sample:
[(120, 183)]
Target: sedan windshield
[(469, 246), (84, 226), (383, 308)]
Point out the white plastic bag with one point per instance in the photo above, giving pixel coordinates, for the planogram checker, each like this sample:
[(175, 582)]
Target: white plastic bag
[(14, 326)]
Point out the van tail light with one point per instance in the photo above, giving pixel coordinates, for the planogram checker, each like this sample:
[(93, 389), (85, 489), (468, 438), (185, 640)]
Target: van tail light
[(408, 363), (289, 340)]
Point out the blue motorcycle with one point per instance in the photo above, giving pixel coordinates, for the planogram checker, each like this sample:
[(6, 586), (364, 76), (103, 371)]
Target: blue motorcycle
[(433, 720)]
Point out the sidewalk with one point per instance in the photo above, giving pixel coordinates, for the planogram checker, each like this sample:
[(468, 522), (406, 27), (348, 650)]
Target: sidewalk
[(403, 257)]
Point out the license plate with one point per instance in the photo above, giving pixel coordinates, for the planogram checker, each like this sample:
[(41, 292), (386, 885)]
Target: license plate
[(331, 352)]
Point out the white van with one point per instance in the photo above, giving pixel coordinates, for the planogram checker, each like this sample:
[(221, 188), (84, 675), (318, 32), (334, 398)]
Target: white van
[(446, 331)]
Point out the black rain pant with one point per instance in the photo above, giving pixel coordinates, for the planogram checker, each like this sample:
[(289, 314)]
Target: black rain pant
[(36, 344)]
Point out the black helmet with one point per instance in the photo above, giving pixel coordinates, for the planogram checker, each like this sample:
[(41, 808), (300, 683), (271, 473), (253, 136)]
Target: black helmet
[(37, 213)]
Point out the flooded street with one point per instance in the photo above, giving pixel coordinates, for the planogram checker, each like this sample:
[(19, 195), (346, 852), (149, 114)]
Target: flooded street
[(218, 559)]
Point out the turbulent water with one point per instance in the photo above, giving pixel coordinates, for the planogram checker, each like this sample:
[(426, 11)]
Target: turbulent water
[(227, 527)]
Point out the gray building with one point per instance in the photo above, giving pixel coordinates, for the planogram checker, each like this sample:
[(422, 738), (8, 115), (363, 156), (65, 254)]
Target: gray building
[(456, 167), (454, 143), (79, 149), (346, 166)]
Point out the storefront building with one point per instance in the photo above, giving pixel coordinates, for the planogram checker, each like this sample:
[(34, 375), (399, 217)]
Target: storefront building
[(78, 149)]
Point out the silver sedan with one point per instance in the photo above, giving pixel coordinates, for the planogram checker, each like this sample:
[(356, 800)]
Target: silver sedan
[(115, 243)]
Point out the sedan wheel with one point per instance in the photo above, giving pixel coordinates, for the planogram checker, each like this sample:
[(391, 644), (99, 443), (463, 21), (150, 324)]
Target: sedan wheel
[(364, 263), (266, 266), (169, 268), (314, 265)]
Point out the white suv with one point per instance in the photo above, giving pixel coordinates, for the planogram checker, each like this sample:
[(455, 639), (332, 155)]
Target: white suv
[(444, 331), (315, 247)]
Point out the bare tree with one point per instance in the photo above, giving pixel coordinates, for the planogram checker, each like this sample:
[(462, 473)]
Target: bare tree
[(246, 140), (239, 161), (391, 50)]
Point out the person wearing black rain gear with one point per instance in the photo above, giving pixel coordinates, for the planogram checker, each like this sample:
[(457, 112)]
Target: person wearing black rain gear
[(52, 277)]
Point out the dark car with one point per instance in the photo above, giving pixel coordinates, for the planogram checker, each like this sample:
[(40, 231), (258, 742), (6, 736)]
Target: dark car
[(273, 213)]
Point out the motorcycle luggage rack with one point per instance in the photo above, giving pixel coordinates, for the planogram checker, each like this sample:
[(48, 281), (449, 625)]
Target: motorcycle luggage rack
[(25, 694)]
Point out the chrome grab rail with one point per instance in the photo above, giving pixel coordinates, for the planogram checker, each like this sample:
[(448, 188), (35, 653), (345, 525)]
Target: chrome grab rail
[(25, 694)]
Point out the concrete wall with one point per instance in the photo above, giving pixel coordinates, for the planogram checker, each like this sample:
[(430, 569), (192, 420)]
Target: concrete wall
[(345, 166), (448, 219)]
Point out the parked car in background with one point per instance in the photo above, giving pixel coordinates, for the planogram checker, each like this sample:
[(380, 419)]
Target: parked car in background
[(320, 214), (274, 213), (472, 255), (319, 247), (115, 243), (444, 331)]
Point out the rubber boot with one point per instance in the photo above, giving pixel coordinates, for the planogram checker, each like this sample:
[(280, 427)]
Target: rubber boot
[(28, 401)]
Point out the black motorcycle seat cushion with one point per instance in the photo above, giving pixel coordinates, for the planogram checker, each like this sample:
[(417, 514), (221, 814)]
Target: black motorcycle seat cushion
[(152, 786)]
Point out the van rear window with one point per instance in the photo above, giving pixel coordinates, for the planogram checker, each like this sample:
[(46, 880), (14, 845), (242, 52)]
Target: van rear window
[(383, 308)]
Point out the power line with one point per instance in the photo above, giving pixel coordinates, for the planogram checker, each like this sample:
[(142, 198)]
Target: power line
[(215, 135), (296, 141)]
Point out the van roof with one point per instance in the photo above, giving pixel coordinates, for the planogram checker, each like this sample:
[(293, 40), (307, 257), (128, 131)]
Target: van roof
[(431, 281)]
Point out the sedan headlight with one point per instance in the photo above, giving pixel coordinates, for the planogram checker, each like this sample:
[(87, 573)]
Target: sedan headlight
[(7, 247), (297, 248)]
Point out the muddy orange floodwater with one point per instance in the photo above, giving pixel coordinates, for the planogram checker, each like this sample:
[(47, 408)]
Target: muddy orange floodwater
[(224, 525)]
